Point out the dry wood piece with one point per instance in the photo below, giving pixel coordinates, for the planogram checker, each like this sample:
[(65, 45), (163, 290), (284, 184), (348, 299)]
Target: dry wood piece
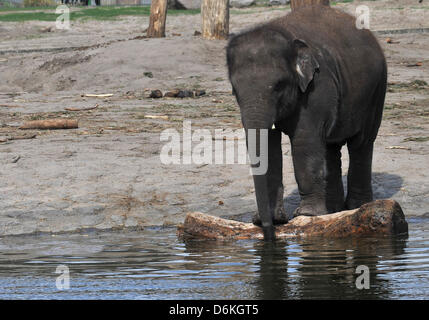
[(82, 109), (417, 64), (10, 106), (158, 16), (22, 137), (102, 95), (156, 117), (380, 217), (51, 124), (398, 148), (294, 4), (215, 19)]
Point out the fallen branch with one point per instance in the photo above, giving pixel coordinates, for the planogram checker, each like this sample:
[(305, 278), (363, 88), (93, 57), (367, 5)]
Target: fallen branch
[(398, 148), (22, 137), (381, 217), (10, 106), (105, 95), (417, 64), (82, 109), (51, 124), (156, 117)]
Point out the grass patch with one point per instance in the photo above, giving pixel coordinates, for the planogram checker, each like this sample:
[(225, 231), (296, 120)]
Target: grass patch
[(98, 13)]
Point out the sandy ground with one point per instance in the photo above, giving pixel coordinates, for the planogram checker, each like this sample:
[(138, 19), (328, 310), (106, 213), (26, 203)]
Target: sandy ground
[(108, 175)]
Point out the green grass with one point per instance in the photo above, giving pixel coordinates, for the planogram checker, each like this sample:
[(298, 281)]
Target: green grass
[(99, 13)]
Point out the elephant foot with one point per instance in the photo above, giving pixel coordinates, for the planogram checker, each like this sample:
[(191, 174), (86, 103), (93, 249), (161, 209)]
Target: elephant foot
[(310, 210), (354, 203), (280, 217), (336, 206)]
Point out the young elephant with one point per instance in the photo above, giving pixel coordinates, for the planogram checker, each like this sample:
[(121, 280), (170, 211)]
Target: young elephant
[(317, 78)]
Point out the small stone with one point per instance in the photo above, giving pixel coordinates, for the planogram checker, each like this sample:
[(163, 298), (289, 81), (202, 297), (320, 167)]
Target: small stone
[(241, 3), (185, 94), (199, 93), (156, 94), (172, 94)]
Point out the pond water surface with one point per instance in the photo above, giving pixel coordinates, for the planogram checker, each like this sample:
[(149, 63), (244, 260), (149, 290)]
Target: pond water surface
[(155, 264)]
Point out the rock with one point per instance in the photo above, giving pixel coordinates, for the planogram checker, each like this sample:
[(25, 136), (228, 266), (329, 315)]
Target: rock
[(199, 93), (185, 94), (148, 74), (156, 94), (184, 4), (241, 3), (172, 94), (381, 217), (279, 2)]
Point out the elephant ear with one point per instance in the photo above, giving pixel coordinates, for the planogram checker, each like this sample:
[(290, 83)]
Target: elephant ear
[(306, 64)]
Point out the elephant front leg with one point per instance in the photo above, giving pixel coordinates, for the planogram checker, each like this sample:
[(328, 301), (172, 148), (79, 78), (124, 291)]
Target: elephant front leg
[(309, 161), (275, 179)]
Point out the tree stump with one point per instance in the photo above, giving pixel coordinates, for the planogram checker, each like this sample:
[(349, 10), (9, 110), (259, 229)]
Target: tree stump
[(158, 16), (380, 217), (294, 4), (215, 19)]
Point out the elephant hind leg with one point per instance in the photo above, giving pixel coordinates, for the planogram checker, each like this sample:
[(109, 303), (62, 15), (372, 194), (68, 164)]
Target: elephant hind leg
[(334, 185), (359, 189)]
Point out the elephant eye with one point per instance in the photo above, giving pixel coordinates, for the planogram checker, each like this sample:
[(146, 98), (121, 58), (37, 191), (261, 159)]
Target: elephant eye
[(280, 86)]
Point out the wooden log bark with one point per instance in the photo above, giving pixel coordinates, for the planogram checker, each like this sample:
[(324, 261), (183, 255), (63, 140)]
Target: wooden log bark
[(215, 19), (294, 4), (158, 16), (381, 217), (51, 124)]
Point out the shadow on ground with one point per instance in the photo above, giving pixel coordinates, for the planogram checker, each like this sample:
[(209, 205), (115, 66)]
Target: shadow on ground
[(384, 186)]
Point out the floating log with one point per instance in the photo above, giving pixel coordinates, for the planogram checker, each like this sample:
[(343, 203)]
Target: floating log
[(380, 217), (51, 124)]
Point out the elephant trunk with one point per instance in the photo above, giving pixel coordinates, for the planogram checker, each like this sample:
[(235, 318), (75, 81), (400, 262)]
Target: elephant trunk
[(257, 145)]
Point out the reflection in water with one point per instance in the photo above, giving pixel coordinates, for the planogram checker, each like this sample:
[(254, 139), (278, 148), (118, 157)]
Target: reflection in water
[(154, 264)]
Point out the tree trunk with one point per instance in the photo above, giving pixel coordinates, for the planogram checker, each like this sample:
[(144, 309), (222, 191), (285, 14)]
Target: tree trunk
[(215, 19), (158, 15), (381, 217), (294, 4)]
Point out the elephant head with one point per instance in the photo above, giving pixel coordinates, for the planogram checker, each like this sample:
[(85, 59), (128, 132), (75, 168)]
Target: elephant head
[(269, 70)]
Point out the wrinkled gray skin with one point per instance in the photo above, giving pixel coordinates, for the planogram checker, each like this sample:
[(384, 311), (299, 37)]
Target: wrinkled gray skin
[(322, 82)]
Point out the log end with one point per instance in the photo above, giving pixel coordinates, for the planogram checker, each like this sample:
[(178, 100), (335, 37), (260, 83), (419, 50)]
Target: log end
[(380, 217)]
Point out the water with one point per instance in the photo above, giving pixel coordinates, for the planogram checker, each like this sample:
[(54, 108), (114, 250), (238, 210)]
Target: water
[(154, 264)]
